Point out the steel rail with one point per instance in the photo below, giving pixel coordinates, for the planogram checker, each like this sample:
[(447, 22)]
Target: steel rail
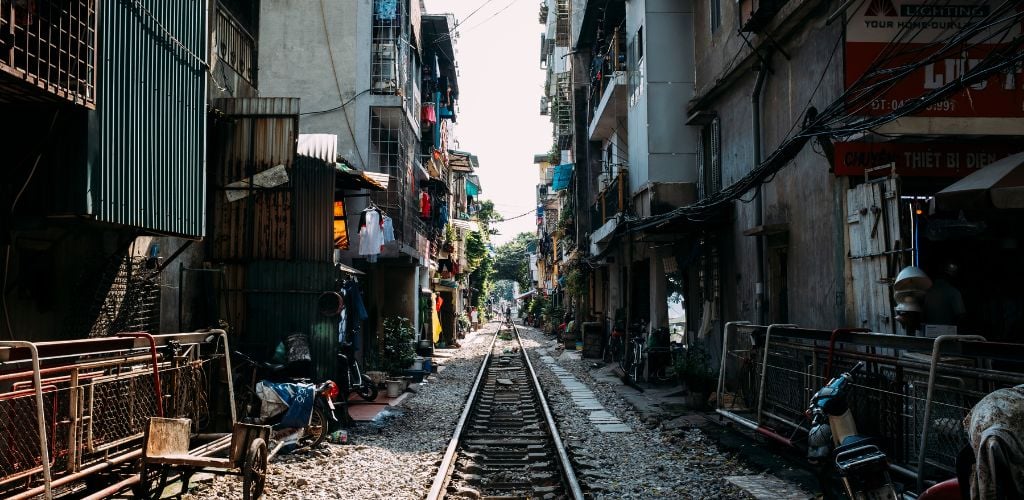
[(563, 456), (444, 470)]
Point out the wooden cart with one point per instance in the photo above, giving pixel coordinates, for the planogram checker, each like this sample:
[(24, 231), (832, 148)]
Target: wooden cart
[(166, 449)]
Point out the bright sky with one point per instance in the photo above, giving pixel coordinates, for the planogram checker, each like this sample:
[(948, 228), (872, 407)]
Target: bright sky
[(500, 85)]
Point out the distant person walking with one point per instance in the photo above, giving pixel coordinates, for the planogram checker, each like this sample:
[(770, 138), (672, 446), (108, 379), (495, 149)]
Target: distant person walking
[(508, 314), (474, 318)]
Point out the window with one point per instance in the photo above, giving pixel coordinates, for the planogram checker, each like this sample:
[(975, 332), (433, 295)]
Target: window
[(392, 147), (388, 47), (636, 66), (709, 160), (340, 229), (715, 9)]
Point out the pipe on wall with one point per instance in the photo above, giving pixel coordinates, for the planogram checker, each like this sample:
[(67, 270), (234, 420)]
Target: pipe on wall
[(755, 113)]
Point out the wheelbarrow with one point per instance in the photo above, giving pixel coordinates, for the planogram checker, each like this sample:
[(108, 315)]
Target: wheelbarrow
[(166, 449)]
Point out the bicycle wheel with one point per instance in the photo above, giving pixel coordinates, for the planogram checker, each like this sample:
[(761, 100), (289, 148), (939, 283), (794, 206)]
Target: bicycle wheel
[(638, 362)]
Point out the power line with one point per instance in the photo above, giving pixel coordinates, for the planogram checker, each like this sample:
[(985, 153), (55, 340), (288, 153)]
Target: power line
[(459, 23), (524, 214), (998, 60)]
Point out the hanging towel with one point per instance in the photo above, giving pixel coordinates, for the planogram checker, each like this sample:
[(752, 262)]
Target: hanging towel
[(371, 234), (424, 205), (429, 114), (385, 9), (436, 320), (389, 230)]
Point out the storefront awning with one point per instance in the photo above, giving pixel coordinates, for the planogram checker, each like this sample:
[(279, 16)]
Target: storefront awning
[(350, 178), (997, 185), (472, 185)]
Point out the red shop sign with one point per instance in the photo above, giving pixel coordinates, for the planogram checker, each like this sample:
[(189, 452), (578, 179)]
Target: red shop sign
[(877, 22), (918, 159)]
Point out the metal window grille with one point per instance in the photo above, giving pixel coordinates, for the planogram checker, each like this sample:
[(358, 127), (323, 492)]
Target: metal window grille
[(709, 160), (121, 295), (715, 11), (390, 44), (550, 220), (635, 54), (710, 280), (391, 152), (562, 23), (51, 44), (235, 46), (561, 107)]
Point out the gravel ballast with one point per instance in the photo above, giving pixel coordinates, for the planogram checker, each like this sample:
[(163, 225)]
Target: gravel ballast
[(397, 456)]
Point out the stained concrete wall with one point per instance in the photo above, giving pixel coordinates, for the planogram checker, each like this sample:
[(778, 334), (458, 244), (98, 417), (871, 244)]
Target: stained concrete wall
[(295, 62), (803, 194)]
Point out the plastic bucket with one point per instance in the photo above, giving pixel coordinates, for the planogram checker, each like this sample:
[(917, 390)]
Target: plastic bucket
[(395, 388)]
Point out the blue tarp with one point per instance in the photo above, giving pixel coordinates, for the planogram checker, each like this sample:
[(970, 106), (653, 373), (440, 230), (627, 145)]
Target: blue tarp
[(562, 176), (299, 398), (471, 189)]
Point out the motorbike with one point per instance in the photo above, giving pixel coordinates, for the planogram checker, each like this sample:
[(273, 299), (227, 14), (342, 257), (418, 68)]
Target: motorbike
[(353, 379), (271, 394), (861, 465)]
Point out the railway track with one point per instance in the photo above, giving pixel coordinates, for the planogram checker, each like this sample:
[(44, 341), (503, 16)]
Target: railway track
[(506, 444)]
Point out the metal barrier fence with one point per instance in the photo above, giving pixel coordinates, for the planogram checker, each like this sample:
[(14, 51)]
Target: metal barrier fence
[(913, 395), (97, 397)]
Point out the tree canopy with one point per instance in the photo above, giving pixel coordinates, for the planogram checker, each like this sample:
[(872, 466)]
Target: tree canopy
[(512, 260)]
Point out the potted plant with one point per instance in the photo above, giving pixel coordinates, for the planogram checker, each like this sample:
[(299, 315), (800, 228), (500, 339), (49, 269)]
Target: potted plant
[(396, 351), (694, 371)]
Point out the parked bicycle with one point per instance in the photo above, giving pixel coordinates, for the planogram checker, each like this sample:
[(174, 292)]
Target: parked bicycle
[(352, 379), (633, 361)]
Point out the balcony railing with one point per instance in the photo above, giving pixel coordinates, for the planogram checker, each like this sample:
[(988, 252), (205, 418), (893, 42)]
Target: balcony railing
[(610, 201), (236, 47), (51, 45), (605, 66)]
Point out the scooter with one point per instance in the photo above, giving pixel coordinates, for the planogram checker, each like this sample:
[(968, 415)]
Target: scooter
[(272, 396), (862, 465)]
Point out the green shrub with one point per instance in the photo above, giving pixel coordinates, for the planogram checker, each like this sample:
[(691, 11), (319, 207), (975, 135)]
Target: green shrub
[(694, 369), (397, 352)]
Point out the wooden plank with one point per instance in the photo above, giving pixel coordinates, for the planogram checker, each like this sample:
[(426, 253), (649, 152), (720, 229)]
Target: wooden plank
[(167, 437)]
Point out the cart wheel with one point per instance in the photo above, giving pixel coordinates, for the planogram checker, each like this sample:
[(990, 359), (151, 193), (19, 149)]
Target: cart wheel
[(254, 470), (152, 481)]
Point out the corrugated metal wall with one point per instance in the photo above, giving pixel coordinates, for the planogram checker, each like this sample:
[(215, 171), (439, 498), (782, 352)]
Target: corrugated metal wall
[(314, 209), (282, 299), (256, 134), (151, 105)]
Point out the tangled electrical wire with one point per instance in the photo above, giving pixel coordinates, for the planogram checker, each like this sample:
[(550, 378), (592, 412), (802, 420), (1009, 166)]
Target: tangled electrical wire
[(839, 120)]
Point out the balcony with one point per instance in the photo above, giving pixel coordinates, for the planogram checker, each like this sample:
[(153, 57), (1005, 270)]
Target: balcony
[(610, 202), (607, 114), (48, 51)]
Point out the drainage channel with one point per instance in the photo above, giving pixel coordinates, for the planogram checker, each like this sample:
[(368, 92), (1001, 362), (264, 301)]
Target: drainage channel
[(506, 444)]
